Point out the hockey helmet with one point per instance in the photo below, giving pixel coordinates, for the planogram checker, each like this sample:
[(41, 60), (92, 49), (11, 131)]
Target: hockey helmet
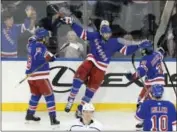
[(88, 107), (41, 33), (157, 91), (146, 48)]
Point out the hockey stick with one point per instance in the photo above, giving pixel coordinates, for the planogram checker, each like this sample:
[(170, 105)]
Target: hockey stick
[(27, 76), (168, 73), (147, 90), (162, 30)]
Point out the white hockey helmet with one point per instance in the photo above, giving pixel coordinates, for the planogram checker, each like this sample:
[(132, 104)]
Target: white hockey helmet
[(104, 22), (88, 107)]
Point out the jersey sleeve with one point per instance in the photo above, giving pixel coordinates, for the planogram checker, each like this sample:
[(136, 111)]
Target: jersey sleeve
[(125, 47), (141, 112), (173, 112), (82, 33), (142, 69)]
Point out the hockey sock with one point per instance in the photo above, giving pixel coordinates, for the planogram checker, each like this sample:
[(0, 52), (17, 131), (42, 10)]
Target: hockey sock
[(75, 88), (89, 93), (142, 94), (33, 104), (50, 101)]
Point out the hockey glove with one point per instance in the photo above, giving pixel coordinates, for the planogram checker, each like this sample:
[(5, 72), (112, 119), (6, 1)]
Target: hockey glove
[(53, 58), (129, 76), (67, 20), (143, 44)]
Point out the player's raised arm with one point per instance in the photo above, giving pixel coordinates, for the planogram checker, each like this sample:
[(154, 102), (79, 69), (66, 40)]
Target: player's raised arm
[(41, 52), (128, 47), (80, 31)]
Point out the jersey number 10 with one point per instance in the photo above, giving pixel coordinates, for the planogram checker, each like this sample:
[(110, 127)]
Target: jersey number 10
[(161, 122)]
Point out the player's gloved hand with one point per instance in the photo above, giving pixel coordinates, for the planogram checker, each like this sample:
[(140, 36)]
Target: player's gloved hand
[(129, 76), (162, 51), (67, 20), (53, 58), (32, 39), (143, 44)]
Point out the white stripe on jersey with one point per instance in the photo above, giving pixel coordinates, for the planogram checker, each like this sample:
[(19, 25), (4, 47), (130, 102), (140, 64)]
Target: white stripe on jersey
[(39, 75), (100, 65)]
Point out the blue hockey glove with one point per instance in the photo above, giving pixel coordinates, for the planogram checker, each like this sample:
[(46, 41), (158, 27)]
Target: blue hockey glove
[(53, 58), (129, 76), (145, 44)]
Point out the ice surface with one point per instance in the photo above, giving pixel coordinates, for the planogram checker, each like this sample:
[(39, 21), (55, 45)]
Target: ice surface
[(112, 120)]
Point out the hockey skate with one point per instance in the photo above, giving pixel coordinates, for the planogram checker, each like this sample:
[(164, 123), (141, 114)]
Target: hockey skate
[(31, 117), (139, 127), (78, 114), (54, 121), (69, 105)]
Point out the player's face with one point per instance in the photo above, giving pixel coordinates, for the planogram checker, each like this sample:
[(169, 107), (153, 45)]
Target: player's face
[(87, 115), (9, 22), (106, 36)]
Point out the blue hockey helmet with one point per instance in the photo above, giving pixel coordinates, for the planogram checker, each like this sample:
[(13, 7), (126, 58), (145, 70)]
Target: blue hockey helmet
[(157, 91), (105, 29), (41, 33)]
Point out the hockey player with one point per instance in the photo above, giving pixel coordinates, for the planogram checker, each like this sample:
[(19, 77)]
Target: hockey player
[(38, 79), (157, 114), (102, 47), (86, 122), (151, 67)]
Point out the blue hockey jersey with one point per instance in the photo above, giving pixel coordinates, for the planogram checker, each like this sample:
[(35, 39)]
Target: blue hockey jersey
[(37, 55), (151, 67), (157, 115), (100, 50)]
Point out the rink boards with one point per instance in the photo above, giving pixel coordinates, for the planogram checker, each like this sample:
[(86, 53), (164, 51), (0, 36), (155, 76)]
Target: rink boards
[(116, 92)]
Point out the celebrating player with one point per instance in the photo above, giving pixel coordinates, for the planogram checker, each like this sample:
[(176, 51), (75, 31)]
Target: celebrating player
[(86, 122), (151, 66), (157, 114), (38, 58), (102, 47)]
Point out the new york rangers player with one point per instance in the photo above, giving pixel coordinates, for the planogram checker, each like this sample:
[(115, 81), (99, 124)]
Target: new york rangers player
[(151, 67), (157, 114), (38, 80), (102, 47), (87, 121)]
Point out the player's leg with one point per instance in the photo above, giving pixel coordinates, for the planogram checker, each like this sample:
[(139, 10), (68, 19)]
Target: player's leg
[(47, 91), (35, 97), (144, 94), (80, 76), (95, 79)]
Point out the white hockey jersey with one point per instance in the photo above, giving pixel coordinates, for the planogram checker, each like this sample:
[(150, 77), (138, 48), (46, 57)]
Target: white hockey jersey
[(78, 125)]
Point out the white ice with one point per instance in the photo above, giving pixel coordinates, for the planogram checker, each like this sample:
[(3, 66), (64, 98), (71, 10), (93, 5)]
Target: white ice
[(111, 120)]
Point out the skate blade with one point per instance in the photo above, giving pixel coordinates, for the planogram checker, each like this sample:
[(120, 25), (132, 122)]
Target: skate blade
[(32, 122), (55, 127)]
